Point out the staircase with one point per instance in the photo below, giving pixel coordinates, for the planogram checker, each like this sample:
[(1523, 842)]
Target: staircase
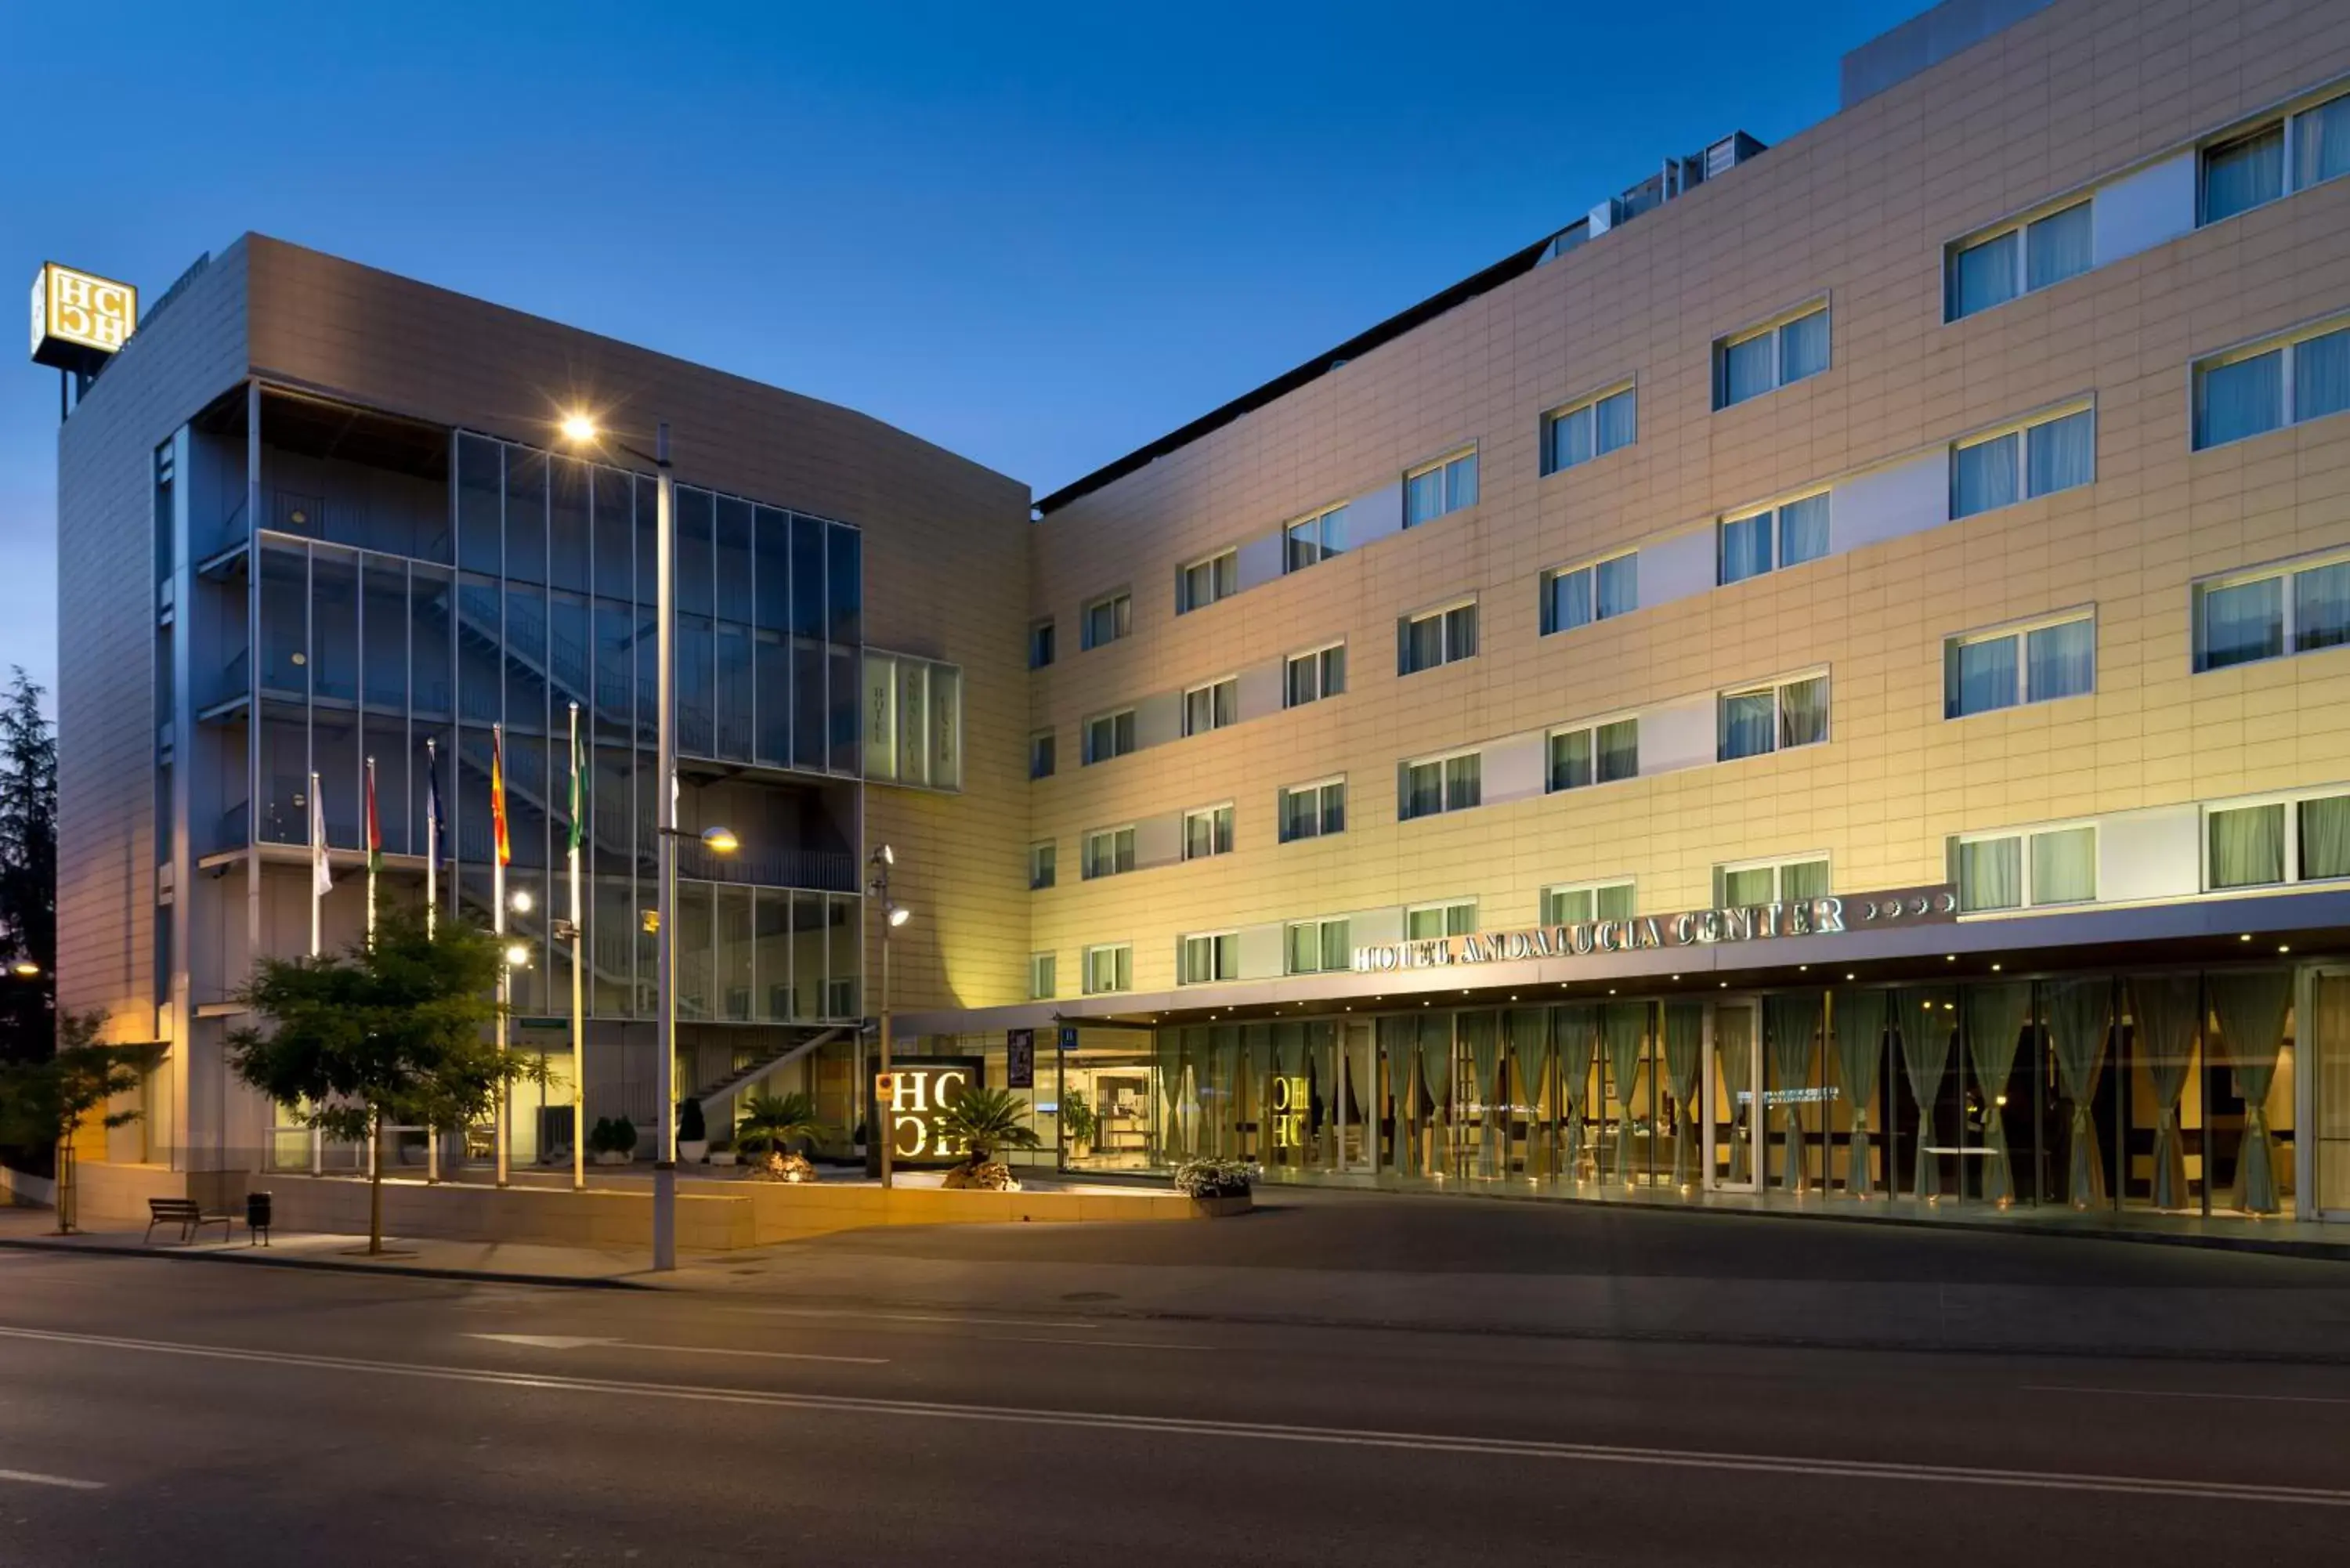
[(735, 1082)]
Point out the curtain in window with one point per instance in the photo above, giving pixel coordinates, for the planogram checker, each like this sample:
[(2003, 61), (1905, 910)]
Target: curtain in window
[(1436, 1079), (1984, 276), (1575, 1031), (1684, 1044), (1983, 476), (2326, 837), (2065, 866), (2321, 143), (2162, 1021), (1745, 547), (1624, 1025), (1800, 879), (1746, 370), (1461, 483), (1481, 1032), (2321, 607), (1748, 720), (1571, 439), (1979, 677), (2250, 1006), (2061, 453), (1619, 750), (2243, 622), (2057, 246), (1756, 884), (1619, 418), (2080, 1013), (1804, 712), (2321, 366), (2247, 846), (1219, 1107), (1804, 529), (1733, 1057), (1995, 1018), (1570, 760), (1803, 347), (1619, 585), (1859, 1018), (2061, 660), (1923, 1017), (1423, 497), (2239, 399), (1570, 600), (1793, 1022), (1529, 1031), (2244, 174), (1173, 1062), (1990, 874)]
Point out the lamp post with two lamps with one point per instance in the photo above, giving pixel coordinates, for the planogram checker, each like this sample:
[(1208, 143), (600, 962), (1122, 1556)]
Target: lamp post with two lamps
[(884, 1124)]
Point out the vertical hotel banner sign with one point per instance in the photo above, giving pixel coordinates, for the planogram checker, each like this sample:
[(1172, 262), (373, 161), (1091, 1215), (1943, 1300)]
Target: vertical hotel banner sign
[(80, 319)]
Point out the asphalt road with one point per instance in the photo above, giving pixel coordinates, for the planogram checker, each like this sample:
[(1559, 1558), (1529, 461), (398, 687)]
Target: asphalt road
[(158, 1412)]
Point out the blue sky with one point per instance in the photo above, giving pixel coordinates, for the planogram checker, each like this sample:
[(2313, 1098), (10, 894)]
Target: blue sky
[(1039, 234)]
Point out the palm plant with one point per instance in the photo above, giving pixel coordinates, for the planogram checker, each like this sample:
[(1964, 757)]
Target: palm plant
[(771, 1124), (986, 1119)]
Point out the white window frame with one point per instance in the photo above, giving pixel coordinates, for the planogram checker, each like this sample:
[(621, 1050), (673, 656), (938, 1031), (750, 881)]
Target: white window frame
[(1447, 905), (1442, 614), (1120, 601), (1223, 695), (2020, 632), (1552, 418), (1086, 755), (1121, 957), (2289, 628), (2288, 116), (2021, 226), (2026, 834), (1318, 786), (1545, 903), (2281, 344), (1322, 532), (1222, 830), (1117, 852), (1457, 455), (1043, 857), (1771, 327), (1323, 690), (1777, 866), (1776, 511), (1223, 580), (1774, 685), (1044, 976), (1547, 613), (2021, 428), (1441, 761), (2291, 801), (1321, 925), (1590, 727), (1221, 944)]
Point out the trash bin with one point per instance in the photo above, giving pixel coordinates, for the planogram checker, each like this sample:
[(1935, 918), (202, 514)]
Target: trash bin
[(256, 1218)]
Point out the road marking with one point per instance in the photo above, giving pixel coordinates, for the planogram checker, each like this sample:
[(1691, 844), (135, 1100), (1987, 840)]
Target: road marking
[(33, 1478), (1087, 1344), (1162, 1426), (584, 1341), (917, 1317), (2187, 1394)]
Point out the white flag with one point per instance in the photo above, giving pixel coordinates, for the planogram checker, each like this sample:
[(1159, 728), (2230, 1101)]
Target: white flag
[(322, 881)]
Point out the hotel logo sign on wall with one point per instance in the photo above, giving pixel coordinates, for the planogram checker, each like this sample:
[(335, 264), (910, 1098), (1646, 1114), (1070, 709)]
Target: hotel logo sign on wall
[(80, 319), (1697, 928)]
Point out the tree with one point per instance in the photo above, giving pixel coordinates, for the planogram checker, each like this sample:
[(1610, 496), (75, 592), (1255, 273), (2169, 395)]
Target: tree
[(28, 873), (984, 1120), (771, 1124), (387, 1033), (45, 1103)]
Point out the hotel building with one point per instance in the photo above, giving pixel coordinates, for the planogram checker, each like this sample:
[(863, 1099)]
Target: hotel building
[(1826, 676)]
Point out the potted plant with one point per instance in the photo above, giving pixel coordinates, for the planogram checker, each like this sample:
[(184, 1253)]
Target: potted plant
[(1078, 1124), (692, 1134), (612, 1140), (722, 1154), (984, 1120), (1218, 1186), (770, 1125)]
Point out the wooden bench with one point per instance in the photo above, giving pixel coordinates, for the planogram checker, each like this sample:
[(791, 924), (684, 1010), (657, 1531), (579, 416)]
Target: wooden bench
[(184, 1212)]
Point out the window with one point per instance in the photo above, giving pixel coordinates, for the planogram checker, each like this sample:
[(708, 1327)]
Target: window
[(1584, 594), (1768, 359), (2250, 391), (1313, 810), (1774, 718), (2025, 870), (2298, 608), (1445, 485), (1991, 669), (1108, 852), (1574, 903), (1202, 583), (1040, 644), (1043, 980), (1592, 427), (1042, 862), (1207, 832), (1317, 946), (1443, 783), (1787, 536), (1427, 922), (2051, 452), (2273, 842), (2282, 156), (1310, 677), (1436, 637), (1109, 968), (1212, 706), (1109, 735), (1202, 960), (1310, 541), (1771, 881), (1040, 754), (1993, 268), (1595, 753), (1107, 619)]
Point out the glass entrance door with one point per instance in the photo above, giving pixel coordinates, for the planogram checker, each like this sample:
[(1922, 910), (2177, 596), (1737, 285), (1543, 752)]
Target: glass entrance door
[(1733, 1067), (2328, 1035)]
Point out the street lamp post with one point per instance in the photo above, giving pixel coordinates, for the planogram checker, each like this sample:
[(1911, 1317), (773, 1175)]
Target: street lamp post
[(884, 1124)]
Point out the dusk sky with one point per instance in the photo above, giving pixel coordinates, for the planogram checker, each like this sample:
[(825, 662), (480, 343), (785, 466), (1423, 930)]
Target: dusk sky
[(1040, 235)]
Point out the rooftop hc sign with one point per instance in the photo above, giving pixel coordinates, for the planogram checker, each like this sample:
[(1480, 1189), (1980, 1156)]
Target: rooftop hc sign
[(80, 319)]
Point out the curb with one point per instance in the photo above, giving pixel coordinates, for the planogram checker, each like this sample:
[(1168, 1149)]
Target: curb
[(259, 1259)]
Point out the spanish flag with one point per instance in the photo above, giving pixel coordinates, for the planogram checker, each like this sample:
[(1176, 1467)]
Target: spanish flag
[(498, 795)]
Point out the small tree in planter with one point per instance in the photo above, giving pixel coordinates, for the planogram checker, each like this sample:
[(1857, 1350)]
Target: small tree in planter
[(692, 1132), (1078, 1123), (770, 1125), (984, 1120)]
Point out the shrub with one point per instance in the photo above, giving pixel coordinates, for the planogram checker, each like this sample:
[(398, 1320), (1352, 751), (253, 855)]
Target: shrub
[(599, 1136), (624, 1136), (1215, 1178), (690, 1128)]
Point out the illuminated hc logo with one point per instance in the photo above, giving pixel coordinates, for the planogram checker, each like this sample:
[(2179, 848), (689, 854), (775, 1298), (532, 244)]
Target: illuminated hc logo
[(88, 310), (914, 1098), (1292, 1098)]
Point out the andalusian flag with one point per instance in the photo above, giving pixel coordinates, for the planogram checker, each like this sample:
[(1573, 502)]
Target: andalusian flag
[(578, 785), (431, 800), (498, 795), (374, 828)]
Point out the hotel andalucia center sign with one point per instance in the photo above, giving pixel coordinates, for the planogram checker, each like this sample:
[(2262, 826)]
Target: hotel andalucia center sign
[(1696, 928), (80, 319)]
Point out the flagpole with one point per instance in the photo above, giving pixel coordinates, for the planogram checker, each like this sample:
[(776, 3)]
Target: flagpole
[(432, 908), (498, 925), (374, 852), (579, 1017)]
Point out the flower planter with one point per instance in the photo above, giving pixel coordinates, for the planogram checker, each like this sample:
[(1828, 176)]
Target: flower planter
[(612, 1156), (693, 1151), (1219, 1207)]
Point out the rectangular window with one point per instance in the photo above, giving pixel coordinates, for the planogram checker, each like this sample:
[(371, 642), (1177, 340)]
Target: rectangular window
[(1309, 541), (1773, 718), (1108, 852), (1040, 754), (1207, 831), (2047, 454), (1436, 637), (1200, 960), (1043, 860), (1202, 583), (1212, 706), (1109, 968), (1993, 268), (1576, 598), (1445, 485), (1313, 810), (1109, 735), (1108, 618), (1043, 978), (1771, 881), (2295, 609), (1427, 922), (2244, 173), (1983, 671), (2275, 842), (1595, 753), (2025, 870), (1592, 427), (2249, 393), (1573, 903), (1443, 783), (1784, 535), (1310, 677), (1317, 946), (1040, 644), (1762, 361)]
